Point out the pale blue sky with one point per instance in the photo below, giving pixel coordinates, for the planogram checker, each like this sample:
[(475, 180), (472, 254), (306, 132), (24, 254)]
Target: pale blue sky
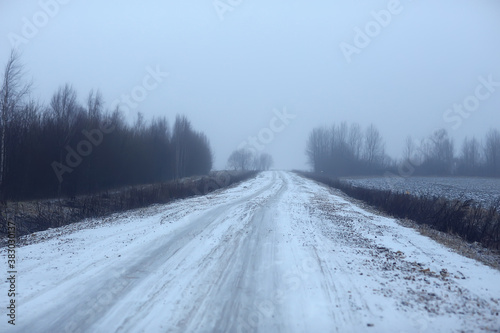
[(229, 75)]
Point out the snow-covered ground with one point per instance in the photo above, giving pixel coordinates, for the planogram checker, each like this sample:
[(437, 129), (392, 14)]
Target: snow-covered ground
[(277, 253), (485, 191)]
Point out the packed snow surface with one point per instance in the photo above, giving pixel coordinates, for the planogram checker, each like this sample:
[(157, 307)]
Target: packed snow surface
[(277, 253)]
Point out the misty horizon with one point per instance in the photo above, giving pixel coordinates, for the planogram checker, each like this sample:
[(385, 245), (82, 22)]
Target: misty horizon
[(230, 70)]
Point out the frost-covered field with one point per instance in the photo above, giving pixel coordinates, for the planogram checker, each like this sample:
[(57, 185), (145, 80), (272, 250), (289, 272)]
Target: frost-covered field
[(483, 190)]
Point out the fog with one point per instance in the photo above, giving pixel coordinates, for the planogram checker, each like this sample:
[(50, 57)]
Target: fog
[(271, 71)]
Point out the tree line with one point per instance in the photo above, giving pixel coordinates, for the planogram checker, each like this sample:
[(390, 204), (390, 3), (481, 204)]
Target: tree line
[(248, 160), (347, 150), (437, 155), (67, 148), (343, 150)]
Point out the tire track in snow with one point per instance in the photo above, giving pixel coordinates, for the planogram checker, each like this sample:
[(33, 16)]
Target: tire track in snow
[(277, 253), (84, 305)]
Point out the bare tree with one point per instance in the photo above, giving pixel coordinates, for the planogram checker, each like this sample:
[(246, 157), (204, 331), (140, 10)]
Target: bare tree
[(64, 108), (409, 149), (374, 146), (339, 138), (443, 148), (318, 148), (355, 141), (180, 136), (140, 123), (241, 159), (12, 93), (471, 155), (492, 152), (437, 154), (94, 104), (263, 162)]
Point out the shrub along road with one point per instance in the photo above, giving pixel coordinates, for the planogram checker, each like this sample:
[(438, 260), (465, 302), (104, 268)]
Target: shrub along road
[(274, 253)]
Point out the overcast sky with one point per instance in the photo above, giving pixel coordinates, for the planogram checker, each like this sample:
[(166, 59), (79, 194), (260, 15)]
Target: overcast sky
[(232, 68)]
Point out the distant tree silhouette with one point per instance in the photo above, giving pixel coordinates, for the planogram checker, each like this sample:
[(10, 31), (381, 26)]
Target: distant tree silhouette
[(470, 159), (492, 152), (374, 146), (244, 160), (66, 149), (12, 94), (241, 159), (438, 154), (343, 150), (263, 162)]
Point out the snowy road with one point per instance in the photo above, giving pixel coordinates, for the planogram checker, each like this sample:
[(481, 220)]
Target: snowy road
[(277, 253)]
